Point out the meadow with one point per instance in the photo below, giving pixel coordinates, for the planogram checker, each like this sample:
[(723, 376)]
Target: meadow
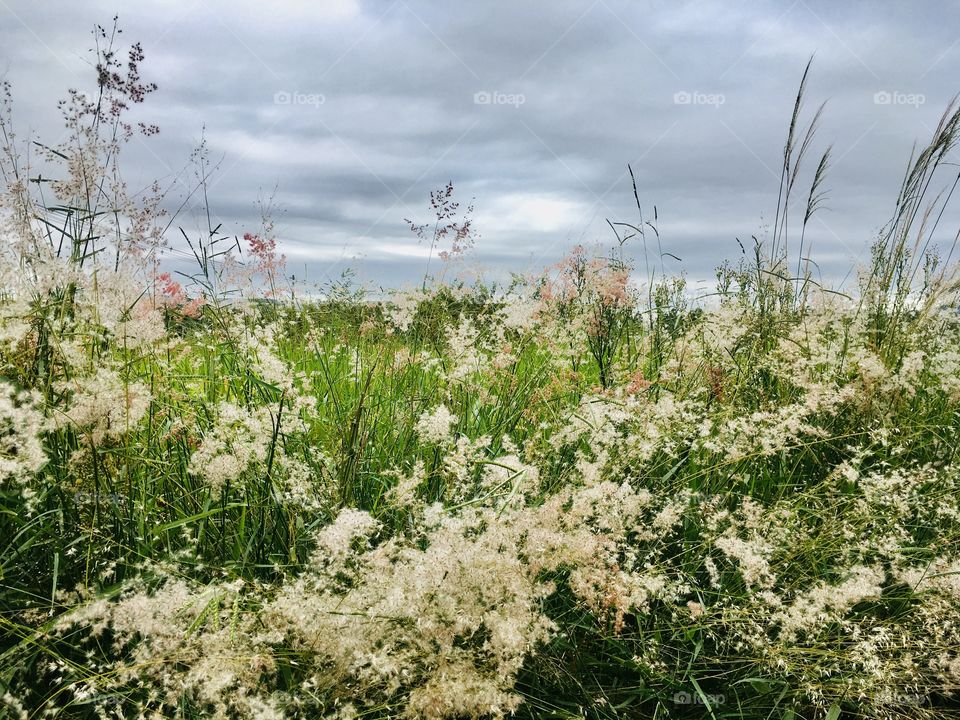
[(587, 494)]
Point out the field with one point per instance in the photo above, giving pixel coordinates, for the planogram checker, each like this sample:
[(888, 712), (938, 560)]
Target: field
[(585, 494)]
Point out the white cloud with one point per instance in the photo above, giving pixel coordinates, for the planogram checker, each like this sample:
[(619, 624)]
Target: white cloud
[(538, 212)]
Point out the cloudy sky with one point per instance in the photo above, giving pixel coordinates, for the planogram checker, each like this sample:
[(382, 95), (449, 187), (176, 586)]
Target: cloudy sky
[(355, 109)]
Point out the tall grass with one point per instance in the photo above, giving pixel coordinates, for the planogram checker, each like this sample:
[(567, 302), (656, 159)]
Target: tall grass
[(574, 498)]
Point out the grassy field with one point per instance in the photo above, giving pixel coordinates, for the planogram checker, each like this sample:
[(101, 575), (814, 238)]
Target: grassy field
[(585, 495)]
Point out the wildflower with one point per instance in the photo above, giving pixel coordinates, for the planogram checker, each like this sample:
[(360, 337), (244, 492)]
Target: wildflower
[(173, 296), (824, 603), (105, 405), (269, 263), (751, 559), (21, 426), (638, 383), (436, 427), (239, 439), (403, 493)]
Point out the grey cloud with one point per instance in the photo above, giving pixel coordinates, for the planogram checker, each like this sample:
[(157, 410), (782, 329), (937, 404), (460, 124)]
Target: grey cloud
[(599, 84)]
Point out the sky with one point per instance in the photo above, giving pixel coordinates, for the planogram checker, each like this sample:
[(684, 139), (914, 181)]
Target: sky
[(349, 112)]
